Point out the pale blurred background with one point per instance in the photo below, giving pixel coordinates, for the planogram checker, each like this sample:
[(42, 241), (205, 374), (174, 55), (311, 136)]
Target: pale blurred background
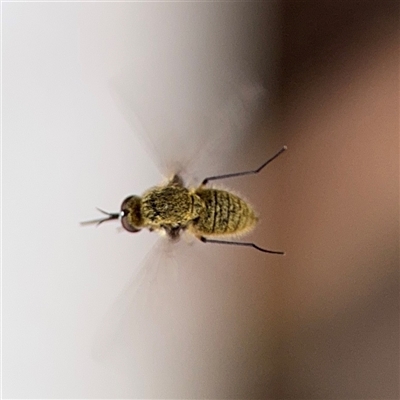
[(84, 83)]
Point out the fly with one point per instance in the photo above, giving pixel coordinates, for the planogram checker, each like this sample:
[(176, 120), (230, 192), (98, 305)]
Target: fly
[(209, 214)]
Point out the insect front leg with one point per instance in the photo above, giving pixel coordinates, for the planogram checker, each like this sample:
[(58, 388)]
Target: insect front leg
[(173, 232)]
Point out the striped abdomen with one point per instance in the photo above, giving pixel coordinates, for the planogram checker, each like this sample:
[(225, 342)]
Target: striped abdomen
[(223, 214)]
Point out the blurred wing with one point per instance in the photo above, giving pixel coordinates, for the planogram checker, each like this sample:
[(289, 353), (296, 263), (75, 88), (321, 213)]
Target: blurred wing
[(131, 305), (146, 303), (189, 132)]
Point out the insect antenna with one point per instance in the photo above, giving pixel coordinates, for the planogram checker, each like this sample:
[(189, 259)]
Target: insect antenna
[(256, 171), (110, 217), (248, 244)]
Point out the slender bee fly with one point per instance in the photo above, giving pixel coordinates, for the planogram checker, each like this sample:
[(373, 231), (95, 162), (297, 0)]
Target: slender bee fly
[(210, 214)]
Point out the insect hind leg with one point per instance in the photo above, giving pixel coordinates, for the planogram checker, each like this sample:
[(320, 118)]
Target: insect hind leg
[(236, 174), (248, 244)]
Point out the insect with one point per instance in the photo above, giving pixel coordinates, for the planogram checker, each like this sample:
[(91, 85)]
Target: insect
[(210, 214)]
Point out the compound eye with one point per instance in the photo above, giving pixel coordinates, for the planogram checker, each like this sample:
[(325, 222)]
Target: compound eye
[(125, 204), (125, 223), (128, 211)]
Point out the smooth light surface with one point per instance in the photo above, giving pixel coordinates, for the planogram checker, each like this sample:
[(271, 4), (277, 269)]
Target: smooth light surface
[(82, 83)]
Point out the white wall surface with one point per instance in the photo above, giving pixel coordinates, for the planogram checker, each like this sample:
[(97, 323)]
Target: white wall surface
[(82, 86)]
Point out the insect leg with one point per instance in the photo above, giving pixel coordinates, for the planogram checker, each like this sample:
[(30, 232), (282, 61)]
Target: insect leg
[(172, 232), (176, 181), (256, 171), (205, 240)]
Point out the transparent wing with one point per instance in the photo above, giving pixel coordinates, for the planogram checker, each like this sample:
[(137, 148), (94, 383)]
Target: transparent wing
[(147, 335), (148, 302), (185, 132), (132, 305)]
